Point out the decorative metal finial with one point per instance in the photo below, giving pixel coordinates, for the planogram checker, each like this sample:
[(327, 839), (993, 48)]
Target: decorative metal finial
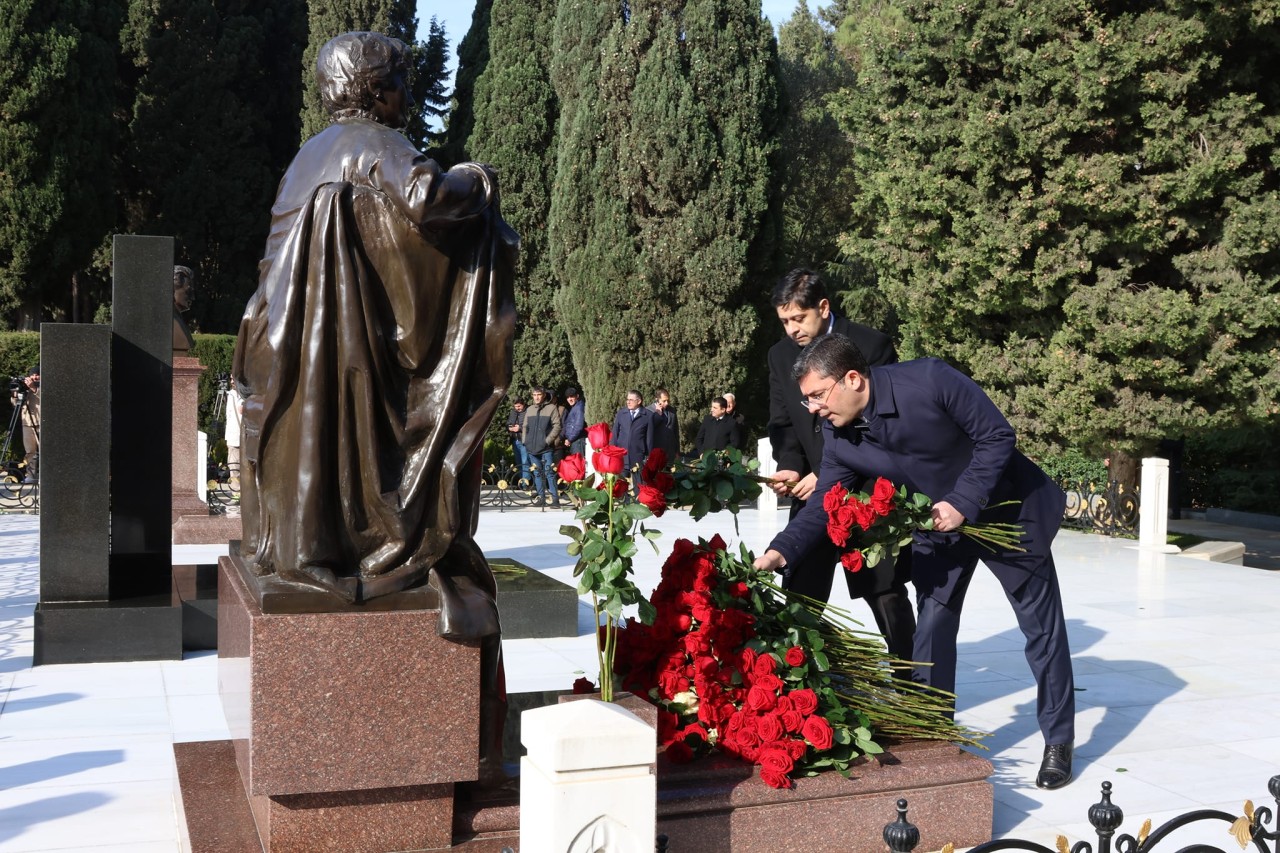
[(902, 836)]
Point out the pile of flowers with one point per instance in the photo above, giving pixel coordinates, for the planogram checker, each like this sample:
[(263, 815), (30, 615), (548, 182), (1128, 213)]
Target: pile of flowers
[(874, 526), (737, 665), (609, 522)]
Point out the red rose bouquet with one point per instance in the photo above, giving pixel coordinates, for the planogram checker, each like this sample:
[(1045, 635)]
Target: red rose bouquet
[(604, 541), (870, 527), (737, 665)]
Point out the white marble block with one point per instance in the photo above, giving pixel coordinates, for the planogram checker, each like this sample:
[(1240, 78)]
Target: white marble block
[(587, 782)]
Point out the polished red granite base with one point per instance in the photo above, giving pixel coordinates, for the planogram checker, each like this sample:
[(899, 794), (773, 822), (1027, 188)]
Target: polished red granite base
[(721, 805), (205, 529), (350, 728), (346, 701), (706, 806), (415, 820)]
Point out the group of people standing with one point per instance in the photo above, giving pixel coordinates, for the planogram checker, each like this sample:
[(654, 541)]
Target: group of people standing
[(545, 430), (542, 433)]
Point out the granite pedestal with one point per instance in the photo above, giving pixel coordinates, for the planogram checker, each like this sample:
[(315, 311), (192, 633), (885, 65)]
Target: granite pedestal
[(188, 468), (350, 728)]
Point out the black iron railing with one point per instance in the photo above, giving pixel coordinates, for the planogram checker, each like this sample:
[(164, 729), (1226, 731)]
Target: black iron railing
[(1108, 508), (223, 495), (1240, 831)]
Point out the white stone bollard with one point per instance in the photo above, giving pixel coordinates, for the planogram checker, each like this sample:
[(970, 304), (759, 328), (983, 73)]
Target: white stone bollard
[(768, 503), (1153, 510), (587, 782), (202, 465)]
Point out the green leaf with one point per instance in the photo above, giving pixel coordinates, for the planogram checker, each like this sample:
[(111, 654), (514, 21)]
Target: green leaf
[(648, 612), (637, 511), (723, 490), (820, 660), (593, 549), (572, 531)]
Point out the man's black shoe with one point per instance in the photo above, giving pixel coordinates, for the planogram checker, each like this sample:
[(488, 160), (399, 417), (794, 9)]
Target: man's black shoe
[(1055, 768)]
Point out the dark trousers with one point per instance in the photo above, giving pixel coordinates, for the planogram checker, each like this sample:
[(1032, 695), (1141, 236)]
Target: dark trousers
[(890, 607), (1037, 604)]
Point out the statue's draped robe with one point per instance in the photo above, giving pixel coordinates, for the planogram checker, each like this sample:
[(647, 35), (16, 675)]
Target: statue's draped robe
[(372, 358)]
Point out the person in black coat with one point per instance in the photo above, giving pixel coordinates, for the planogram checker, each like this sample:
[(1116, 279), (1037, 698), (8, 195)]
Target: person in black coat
[(666, 428), (718, 429), (795, 432)]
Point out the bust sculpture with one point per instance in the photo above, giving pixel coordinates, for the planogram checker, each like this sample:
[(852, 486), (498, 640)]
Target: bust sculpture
[(184, 293), (374, 354)]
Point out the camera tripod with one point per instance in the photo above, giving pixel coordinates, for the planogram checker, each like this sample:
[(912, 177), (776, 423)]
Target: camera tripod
[(12, 467)]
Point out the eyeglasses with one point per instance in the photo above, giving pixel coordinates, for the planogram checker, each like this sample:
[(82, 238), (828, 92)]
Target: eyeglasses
[(812, 401)]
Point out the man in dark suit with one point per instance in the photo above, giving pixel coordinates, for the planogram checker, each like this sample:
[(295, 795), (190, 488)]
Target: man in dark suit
[(666, 428), (718, 430), (928, 426), (633, 431), (795, 432)]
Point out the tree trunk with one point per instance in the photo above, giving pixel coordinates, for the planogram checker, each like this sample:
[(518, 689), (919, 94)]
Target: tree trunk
[(1123, 468)]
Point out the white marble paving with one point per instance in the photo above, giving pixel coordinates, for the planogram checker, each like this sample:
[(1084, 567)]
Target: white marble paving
[(1177, 672)]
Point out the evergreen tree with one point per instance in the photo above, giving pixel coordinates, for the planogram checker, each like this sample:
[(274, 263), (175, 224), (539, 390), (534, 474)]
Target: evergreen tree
[(661, 218), (430, 75), (56, 147), (515, 131), (473, 58), (819, 180), (1077, 202), (207, 143)]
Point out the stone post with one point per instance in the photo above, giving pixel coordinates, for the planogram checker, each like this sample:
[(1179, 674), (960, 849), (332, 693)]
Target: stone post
[(768, 503), (1153, 513), (587, 781), (188, 465)]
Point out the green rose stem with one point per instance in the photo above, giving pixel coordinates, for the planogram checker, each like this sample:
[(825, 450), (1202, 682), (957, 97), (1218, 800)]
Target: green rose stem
[(856, 661)]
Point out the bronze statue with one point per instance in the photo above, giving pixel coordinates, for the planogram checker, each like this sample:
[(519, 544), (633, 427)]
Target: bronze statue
[(184, 294), (374, 354)]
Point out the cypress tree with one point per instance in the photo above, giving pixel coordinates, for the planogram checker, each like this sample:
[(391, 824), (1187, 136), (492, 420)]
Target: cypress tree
[(514, 129), (664, 197), (473, 58), (818, 178), (1076, 202), (206, 140), (57, 141), (431, 73)]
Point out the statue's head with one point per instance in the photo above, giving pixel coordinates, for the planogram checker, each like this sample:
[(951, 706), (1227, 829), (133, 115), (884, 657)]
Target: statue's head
[(365, 75), (184, 289)]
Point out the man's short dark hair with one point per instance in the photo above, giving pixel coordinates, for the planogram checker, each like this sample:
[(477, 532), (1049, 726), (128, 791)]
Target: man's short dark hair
[(660, 392), (637, 393), (830, 356), (802, 287), (538, 389), (720, 401)]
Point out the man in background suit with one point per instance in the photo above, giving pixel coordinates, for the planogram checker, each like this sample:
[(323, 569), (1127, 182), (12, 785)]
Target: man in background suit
[(718, 430), (666, 428), (795, 432), (925, 425), (633, 432)]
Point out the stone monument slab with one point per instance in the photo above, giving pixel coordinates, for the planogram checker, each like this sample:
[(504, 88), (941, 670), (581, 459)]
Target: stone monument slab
[(330, 702)]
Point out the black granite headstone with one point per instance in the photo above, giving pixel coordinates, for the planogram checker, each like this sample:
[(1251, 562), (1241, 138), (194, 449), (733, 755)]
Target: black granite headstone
[(75, 439), (141, 416), (106, 424)]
